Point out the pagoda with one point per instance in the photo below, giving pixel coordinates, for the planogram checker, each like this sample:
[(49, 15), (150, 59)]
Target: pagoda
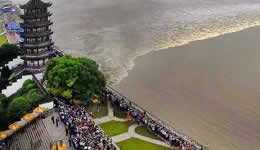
[(37, 45)]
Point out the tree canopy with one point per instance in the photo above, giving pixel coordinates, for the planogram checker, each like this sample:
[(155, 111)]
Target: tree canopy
[(78, 78), (14, 107), (35, 97), (8, 52), (4, 78), (18, 107), (28, 85)]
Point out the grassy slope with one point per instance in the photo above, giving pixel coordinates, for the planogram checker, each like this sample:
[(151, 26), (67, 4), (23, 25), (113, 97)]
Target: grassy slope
[(137, 144), (118, 113), (113, 128), (103, 111), (144, 132), (2, 40)]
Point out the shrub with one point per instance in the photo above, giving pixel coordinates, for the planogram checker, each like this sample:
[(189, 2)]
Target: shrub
[(28, 85), (8, 52), (3, 100), (4, 78), (6, 72), (35, 97), (17, 108)]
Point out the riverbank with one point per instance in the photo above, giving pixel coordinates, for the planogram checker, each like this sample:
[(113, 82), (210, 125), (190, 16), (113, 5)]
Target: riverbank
[(204, 86), (208, 89)]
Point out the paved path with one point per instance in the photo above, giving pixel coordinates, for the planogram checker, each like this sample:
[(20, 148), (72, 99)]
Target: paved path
[(57, 133), (131, 130), (132, 133), (109, 117)]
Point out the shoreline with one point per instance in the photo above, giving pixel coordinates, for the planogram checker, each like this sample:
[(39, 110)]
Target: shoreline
[(132, 63), (139, 84), (115, 43), (161, 51)]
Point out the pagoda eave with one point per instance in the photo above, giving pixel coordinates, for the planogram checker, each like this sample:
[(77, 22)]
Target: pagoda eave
[(47, 55), (36, 25), (35, 4), (39, 45), (36, 16), (35, 70), (29, 35)]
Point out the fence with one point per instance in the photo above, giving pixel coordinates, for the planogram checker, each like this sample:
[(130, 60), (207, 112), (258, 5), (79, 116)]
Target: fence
[(174, 130)]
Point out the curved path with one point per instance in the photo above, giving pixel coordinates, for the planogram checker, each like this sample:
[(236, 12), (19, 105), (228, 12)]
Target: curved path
[(131, 130), (131, 133), (109, 117), (58, 133)]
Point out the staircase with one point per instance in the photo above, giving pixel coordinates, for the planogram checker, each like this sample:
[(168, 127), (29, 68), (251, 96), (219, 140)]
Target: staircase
[(14, 63), (33, 137), (14, 87)]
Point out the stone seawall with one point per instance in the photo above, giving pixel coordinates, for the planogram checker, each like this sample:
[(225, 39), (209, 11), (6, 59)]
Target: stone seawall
[(113, 95)]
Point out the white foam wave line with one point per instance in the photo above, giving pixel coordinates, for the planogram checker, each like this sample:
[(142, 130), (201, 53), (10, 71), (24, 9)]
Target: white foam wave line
[(198, 37)]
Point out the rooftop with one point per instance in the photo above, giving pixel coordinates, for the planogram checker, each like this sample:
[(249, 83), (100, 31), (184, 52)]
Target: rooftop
[(34, 4)]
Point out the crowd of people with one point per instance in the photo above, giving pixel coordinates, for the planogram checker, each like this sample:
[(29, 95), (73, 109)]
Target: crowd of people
[(83, 133), (156, 126)]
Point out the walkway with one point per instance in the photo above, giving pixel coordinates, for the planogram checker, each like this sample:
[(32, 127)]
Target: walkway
[(131, 130), (131, 133), (57, 133), (109, 117)]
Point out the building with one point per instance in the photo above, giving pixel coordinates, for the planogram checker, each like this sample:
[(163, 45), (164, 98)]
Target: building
[(37, 44)]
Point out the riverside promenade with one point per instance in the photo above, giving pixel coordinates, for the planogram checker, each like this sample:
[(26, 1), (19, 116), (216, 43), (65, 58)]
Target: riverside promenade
[(131, 131), (173, 134)]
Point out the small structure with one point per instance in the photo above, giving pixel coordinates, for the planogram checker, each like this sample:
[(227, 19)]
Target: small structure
[(6, 8), (36, 42)]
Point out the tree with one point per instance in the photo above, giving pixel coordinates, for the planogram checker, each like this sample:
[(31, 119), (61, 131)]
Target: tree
[(4, 78), (3, 105), (17, 108), (78, 78), (35, 97), (6, 72), (3, 100), (28, 85), (8, 52)]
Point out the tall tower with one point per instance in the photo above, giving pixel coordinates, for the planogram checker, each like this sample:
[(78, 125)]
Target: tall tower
[(37, 44)]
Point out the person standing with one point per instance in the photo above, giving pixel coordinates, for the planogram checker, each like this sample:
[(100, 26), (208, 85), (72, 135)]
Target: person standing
[(57, 122), (52, 119), (67, 130)]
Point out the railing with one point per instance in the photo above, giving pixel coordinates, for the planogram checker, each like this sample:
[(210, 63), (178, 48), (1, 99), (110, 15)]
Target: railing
[(38, 83), (36, 33), (36, 24), (42, 52), (36, 15), (166, 124)]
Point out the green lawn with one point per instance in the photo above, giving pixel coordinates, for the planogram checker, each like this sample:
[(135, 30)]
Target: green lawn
[(3, 40), (137, 144), (103, 110), (113, 128), (145, 132), (118, 113)]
